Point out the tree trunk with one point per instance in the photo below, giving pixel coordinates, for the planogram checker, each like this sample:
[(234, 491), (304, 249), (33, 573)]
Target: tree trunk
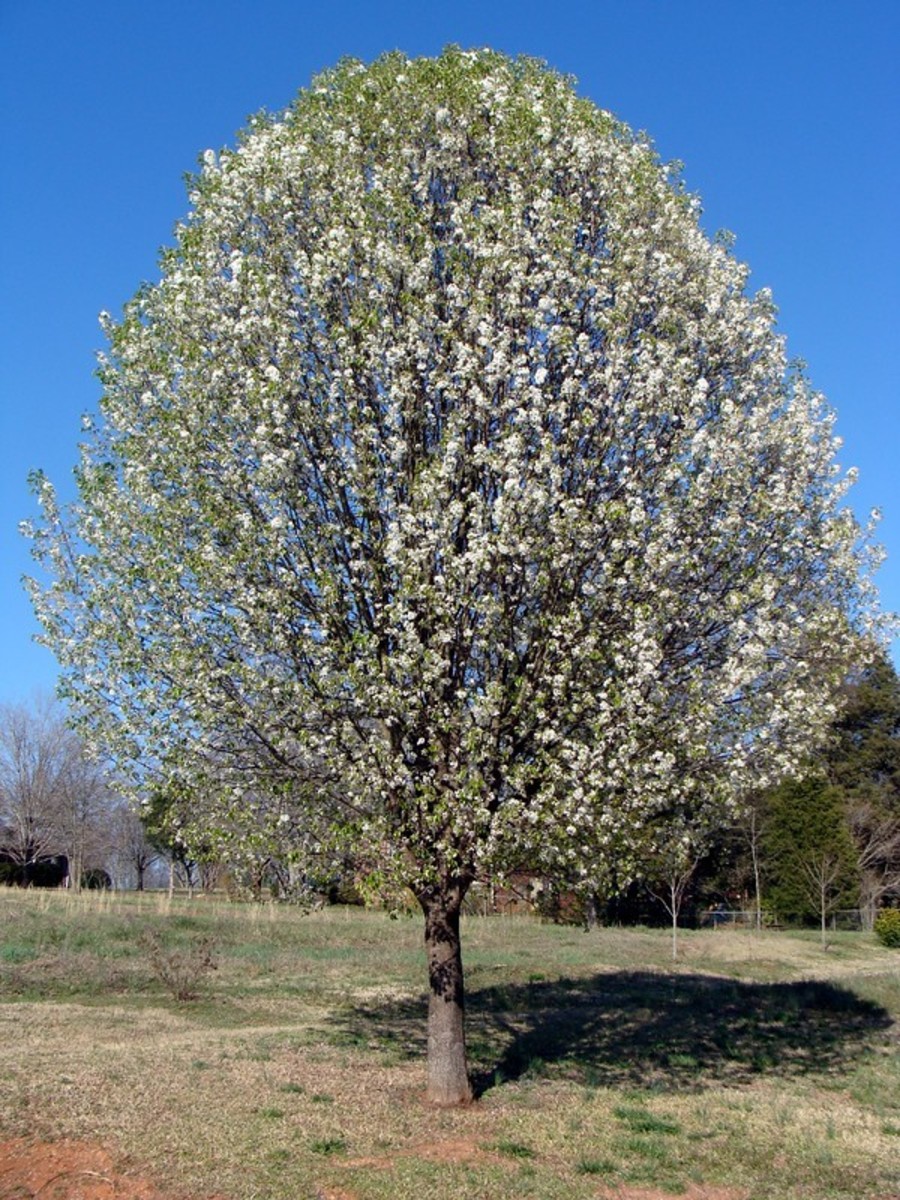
[(754, 852), (76, 867), (823, 900), (869, 895), (448, 1078)]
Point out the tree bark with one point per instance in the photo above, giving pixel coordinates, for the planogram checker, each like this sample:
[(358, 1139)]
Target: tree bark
[(754, 854), (76, 867), (447, 1071)]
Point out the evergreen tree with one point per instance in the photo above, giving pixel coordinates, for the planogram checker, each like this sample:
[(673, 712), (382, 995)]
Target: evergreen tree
[(808, 852)]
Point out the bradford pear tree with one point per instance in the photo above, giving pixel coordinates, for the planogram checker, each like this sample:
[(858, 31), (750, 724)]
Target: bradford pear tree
[(449, 464)]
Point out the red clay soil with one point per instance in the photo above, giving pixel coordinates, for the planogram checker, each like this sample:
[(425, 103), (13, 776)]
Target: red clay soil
[(457, 1150), (68, 1171)]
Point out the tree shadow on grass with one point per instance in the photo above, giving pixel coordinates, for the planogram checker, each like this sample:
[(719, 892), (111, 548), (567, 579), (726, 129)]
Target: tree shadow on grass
[(640, 1028)]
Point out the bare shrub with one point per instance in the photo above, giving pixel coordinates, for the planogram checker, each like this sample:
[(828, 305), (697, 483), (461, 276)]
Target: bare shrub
[(182, 969)]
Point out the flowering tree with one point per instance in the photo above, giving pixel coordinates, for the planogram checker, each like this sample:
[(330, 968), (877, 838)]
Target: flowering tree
[(451, 498)]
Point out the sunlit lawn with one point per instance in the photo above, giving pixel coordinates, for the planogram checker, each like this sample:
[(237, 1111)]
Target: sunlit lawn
[(759, 1063)]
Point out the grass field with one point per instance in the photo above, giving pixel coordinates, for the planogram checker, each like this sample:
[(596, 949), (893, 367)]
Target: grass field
[(760, 1066)]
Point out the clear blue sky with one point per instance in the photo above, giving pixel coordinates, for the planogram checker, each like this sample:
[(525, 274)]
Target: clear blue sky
[(786, 114)]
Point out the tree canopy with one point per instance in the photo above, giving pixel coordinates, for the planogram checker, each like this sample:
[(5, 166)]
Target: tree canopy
[(449, 491)]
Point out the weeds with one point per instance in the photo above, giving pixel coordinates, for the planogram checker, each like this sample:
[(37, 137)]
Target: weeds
[(332, 1145), (181, 969), (595, 1166), (640, 1120), (514, 1149)]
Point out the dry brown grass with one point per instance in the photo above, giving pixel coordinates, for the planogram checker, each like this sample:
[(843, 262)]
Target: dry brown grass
[(298, 1075)]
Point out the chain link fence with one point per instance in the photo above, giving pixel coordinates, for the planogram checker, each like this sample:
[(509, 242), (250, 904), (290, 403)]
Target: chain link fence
[(840, 919)]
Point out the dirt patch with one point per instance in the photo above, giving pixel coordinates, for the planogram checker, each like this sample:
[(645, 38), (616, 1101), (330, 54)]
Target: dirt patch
[(455, 1150), (69, 1171)]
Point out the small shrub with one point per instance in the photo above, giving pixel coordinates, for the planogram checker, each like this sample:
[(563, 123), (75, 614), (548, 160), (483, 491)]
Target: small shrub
[(96, 880), (180, 969), (887, 927)]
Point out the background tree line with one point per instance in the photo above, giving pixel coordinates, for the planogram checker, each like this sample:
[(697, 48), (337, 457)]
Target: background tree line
[(832, 839), (61, 822)]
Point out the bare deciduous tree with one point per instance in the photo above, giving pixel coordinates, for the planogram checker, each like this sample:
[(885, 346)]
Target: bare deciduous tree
[(83, 812), (133, 851), (876, 836), (33, 750), (823, 872), (676, 861), (53, 801)]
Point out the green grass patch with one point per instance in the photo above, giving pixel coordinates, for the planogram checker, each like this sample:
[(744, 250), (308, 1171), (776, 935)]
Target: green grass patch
[(332, 1145), (641, 1120), (514, 1149), (595, 1166)]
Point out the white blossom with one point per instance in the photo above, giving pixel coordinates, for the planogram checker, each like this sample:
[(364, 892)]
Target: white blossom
[(450, 495)]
